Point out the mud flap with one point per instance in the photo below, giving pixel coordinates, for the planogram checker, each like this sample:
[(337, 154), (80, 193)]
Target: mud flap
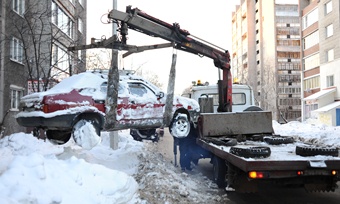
[(170, 93)]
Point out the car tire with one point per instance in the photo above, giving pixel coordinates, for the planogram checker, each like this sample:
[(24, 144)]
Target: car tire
[(219, 172), (313, 151), (278, 140), (251, 152), (58, 137), (180, 126), (83, 135)]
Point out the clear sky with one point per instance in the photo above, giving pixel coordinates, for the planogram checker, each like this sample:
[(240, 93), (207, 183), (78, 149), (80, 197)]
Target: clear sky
[(208, 20)]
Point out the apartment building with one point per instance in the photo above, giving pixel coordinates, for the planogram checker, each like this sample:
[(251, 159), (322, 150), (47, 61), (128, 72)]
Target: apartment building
[(34, 36), (320, 61), (266, 54)]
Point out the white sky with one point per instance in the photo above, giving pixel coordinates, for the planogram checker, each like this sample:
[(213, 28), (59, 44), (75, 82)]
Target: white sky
[(210, 21)]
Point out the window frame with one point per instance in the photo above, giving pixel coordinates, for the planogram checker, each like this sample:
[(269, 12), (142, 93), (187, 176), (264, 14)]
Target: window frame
[(330, 80), (329, 30), (16, 50), (328, 7), (18, 6), (15, 99), (330, 55)]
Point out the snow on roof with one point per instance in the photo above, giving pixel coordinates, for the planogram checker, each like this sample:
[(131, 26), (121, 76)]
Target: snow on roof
[(328, 107), (320, 94)]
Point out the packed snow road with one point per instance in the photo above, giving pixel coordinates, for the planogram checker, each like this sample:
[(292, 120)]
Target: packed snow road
[(198, 183)]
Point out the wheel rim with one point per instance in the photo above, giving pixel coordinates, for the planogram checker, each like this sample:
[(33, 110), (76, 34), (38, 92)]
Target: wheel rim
[(85, 134), (181, 127)]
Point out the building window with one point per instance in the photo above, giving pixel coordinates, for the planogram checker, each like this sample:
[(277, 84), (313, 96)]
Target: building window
[(328, 7), (312, 62), (310, 18), (330, 55), (330, 80), (18, 6), (80, 25), (61, 62), (329, 30), (17, 51), (311, 40), (81, 2), (62, 20), (311, 83), (16, 94)]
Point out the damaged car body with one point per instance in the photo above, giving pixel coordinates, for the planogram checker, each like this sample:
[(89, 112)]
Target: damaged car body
[(81, 98)]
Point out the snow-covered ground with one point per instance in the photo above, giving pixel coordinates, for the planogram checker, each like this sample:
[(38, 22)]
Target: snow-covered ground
[(35, 171)]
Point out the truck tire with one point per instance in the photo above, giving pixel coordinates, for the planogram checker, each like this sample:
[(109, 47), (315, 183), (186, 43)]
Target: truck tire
[(58, 137), (253, 108), (219, 172), (278, 140), (147, 134), (313, 151), (251, 152)]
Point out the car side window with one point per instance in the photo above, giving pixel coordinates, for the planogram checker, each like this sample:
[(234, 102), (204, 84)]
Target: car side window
[(138, 89)]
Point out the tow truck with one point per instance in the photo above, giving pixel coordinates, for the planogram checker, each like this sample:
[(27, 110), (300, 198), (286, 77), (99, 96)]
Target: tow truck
[(245, 151)]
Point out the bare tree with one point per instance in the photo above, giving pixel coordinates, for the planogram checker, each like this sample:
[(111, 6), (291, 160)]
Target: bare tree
[(43, 43)]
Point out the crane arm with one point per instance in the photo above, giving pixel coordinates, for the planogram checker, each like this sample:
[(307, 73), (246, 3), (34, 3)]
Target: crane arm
[(140, 21)]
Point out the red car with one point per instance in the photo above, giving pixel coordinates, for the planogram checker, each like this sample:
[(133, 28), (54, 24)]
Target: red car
[(80, 98)]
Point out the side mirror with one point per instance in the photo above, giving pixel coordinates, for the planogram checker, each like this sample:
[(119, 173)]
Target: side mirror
[(160, 94)]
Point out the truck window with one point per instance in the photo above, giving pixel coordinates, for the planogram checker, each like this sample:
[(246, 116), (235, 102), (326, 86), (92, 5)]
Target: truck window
[(239, 99)]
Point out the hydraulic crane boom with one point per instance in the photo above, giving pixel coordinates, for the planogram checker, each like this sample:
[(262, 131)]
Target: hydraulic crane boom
[(140, 21)]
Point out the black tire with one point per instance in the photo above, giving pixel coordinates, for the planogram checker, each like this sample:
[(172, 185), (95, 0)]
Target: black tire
[(219, 172), (58, 137), (145, 134), (225, 141), (253, 108), (180, 126), (251, 152), (278, 140), (313, 151)]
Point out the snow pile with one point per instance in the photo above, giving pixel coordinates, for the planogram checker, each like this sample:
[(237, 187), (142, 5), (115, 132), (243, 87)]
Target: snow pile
[(318, 135), (35, 171)]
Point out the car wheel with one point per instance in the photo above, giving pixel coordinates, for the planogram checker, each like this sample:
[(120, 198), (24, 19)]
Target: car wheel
[(180, 126), (219, 172), (58, 137), (313, 151), (251, 152), (86, 133)]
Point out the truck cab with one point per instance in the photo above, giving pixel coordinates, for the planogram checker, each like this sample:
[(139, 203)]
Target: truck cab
[(207, 97)]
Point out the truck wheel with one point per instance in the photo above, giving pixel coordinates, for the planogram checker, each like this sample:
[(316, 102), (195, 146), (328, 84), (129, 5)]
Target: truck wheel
[(147, 134), (86, 133), (278, 140), (58, 137), (251, 152), (219, 172), (253, 108), (312, 151), (180, 126)]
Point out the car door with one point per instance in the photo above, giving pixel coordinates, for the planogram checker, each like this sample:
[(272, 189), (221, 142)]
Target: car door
[(145, 110)]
